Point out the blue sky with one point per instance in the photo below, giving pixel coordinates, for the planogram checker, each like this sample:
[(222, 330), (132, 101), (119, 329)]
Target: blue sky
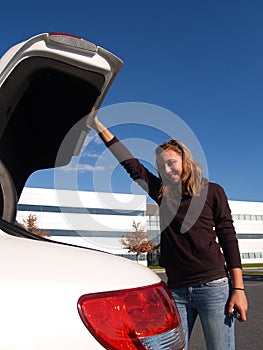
[(200, 60)]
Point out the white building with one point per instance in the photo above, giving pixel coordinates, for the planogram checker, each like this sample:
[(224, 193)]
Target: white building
[(99, 220), (248, 221), (91, 219)]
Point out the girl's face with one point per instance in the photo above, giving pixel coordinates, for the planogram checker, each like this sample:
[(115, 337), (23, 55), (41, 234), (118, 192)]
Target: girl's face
[(170, 165)]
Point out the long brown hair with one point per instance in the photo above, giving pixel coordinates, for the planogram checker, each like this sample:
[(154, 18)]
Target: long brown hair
[(192, 180)]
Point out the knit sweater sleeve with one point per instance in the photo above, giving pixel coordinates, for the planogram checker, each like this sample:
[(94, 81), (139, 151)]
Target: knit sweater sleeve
[(224, 228), (145, 179)]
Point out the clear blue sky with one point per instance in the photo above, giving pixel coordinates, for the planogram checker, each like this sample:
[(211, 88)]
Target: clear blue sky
[(200, 59)]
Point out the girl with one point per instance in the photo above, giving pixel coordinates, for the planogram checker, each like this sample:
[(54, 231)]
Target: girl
[(199, 249)]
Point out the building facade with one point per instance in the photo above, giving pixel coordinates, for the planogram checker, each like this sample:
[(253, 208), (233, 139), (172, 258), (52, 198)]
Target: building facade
[(95, 220), (100, 220)]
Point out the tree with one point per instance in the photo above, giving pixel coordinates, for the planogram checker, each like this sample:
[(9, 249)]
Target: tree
[(30, 224), (137, 241)]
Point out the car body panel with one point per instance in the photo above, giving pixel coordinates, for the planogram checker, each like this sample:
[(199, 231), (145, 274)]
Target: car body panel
[(41, 283)]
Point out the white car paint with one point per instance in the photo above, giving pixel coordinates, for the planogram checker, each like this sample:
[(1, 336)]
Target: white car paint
[(41, 283)]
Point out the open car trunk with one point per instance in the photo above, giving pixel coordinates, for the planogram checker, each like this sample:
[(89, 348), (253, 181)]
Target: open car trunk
[(38, 110), (47, 88)]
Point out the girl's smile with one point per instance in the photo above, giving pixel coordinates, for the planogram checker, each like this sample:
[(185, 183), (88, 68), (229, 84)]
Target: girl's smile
[(170, 165)]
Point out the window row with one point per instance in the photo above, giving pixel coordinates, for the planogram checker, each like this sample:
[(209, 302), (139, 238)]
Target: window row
[(249, 235), (247, 217), (78, 210), (86, 233), (252, 255), (155, 218)]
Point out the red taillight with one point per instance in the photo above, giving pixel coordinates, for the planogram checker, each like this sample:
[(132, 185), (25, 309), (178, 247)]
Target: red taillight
[(65, 34), (121, 319)]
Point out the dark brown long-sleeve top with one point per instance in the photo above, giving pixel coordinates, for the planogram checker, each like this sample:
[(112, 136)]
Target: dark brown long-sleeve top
[(198, 239)]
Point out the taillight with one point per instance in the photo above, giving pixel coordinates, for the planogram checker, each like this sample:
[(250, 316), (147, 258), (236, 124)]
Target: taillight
[(64, 34), (139, 318)]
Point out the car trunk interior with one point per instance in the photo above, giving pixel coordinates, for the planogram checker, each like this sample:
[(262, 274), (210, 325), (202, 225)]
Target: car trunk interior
[(39, 103)]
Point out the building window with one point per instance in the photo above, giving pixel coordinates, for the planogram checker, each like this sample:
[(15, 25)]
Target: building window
[(257, 255), (250, 217), (78, 210)]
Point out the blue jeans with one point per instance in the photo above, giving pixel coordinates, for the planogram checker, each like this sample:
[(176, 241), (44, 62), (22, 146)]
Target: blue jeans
[(209, 301)]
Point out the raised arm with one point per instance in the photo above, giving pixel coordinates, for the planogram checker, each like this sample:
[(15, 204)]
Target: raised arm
[(105, 134), (148, 181)]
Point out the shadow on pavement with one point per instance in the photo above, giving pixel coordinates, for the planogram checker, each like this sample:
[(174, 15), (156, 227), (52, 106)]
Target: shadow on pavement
[(253, 278)]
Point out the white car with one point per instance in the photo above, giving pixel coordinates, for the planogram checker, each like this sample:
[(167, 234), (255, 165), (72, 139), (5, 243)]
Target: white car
[(53, 295)]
